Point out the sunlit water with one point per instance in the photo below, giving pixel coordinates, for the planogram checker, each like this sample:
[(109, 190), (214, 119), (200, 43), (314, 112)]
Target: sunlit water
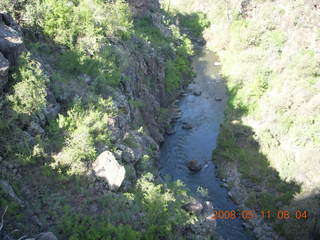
[(205, 114)]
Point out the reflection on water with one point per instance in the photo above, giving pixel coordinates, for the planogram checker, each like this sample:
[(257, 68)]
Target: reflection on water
[(205, 114)]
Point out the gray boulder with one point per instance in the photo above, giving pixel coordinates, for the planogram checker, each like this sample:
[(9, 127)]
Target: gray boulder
[(6, 187), (6, 19), (4, 68), (186, 126), (35, 129), (197, 93), (194, 207), (107, 167), (205, 225), (11, 43), (51, 111), (53, 108), (46, 236), (127, 154)]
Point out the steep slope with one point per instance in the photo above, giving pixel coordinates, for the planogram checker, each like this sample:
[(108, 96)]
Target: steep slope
[(82, 115), (269, 53)]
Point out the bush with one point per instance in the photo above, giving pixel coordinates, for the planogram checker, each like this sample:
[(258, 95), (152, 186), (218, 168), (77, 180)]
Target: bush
[(86, 129), (103, 67), (80, 23), (162, 206), (29, 96), (86, 228), (178, 71), (195, 23), (145, 29)]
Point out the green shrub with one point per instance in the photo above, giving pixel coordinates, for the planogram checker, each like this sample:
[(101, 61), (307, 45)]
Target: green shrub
[(145, 29), (103, 68), (195, 23), (80, 23), (178, 71), (162, 206), (86, 228), (86, 128), (173, 77), (29, 96)]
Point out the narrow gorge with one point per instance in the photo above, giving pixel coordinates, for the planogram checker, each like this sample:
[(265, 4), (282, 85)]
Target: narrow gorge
[(156, 120)]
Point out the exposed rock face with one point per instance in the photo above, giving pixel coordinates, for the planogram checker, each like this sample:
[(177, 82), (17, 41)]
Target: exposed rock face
[(11, 45), (108, 168), (148, 65), (9, 21), (143, 7)]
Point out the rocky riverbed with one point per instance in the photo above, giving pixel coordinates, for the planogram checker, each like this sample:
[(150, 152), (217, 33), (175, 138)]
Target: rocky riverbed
[(193, 137)]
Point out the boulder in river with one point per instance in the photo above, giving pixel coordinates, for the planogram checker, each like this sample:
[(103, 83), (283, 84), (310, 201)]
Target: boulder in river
[(197, 93), (194, 166), (218, 99), (186, 126), (170, 131)]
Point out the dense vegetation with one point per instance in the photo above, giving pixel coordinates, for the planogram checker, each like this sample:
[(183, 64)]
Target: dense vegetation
[(74, 54), (270, 59)]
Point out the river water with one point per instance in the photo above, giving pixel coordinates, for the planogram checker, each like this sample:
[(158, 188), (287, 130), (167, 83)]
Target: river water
[(205, 113)]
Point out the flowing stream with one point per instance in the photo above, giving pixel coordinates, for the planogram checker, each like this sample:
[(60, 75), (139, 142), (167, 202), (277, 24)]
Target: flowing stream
[(204, 113)]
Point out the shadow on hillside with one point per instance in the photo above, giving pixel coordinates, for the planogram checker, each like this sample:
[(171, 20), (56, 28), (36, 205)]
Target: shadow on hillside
[(238, 147), (304, 221)]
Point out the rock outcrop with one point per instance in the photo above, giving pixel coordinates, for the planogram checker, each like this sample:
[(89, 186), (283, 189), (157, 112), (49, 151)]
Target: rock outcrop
[(107, 167), (11, 45), (4, 69), (142, 8)]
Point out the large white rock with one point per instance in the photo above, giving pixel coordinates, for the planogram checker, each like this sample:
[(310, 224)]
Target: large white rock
[(108, 168)]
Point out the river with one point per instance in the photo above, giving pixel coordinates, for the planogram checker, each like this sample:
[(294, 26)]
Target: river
[(204, 113)]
